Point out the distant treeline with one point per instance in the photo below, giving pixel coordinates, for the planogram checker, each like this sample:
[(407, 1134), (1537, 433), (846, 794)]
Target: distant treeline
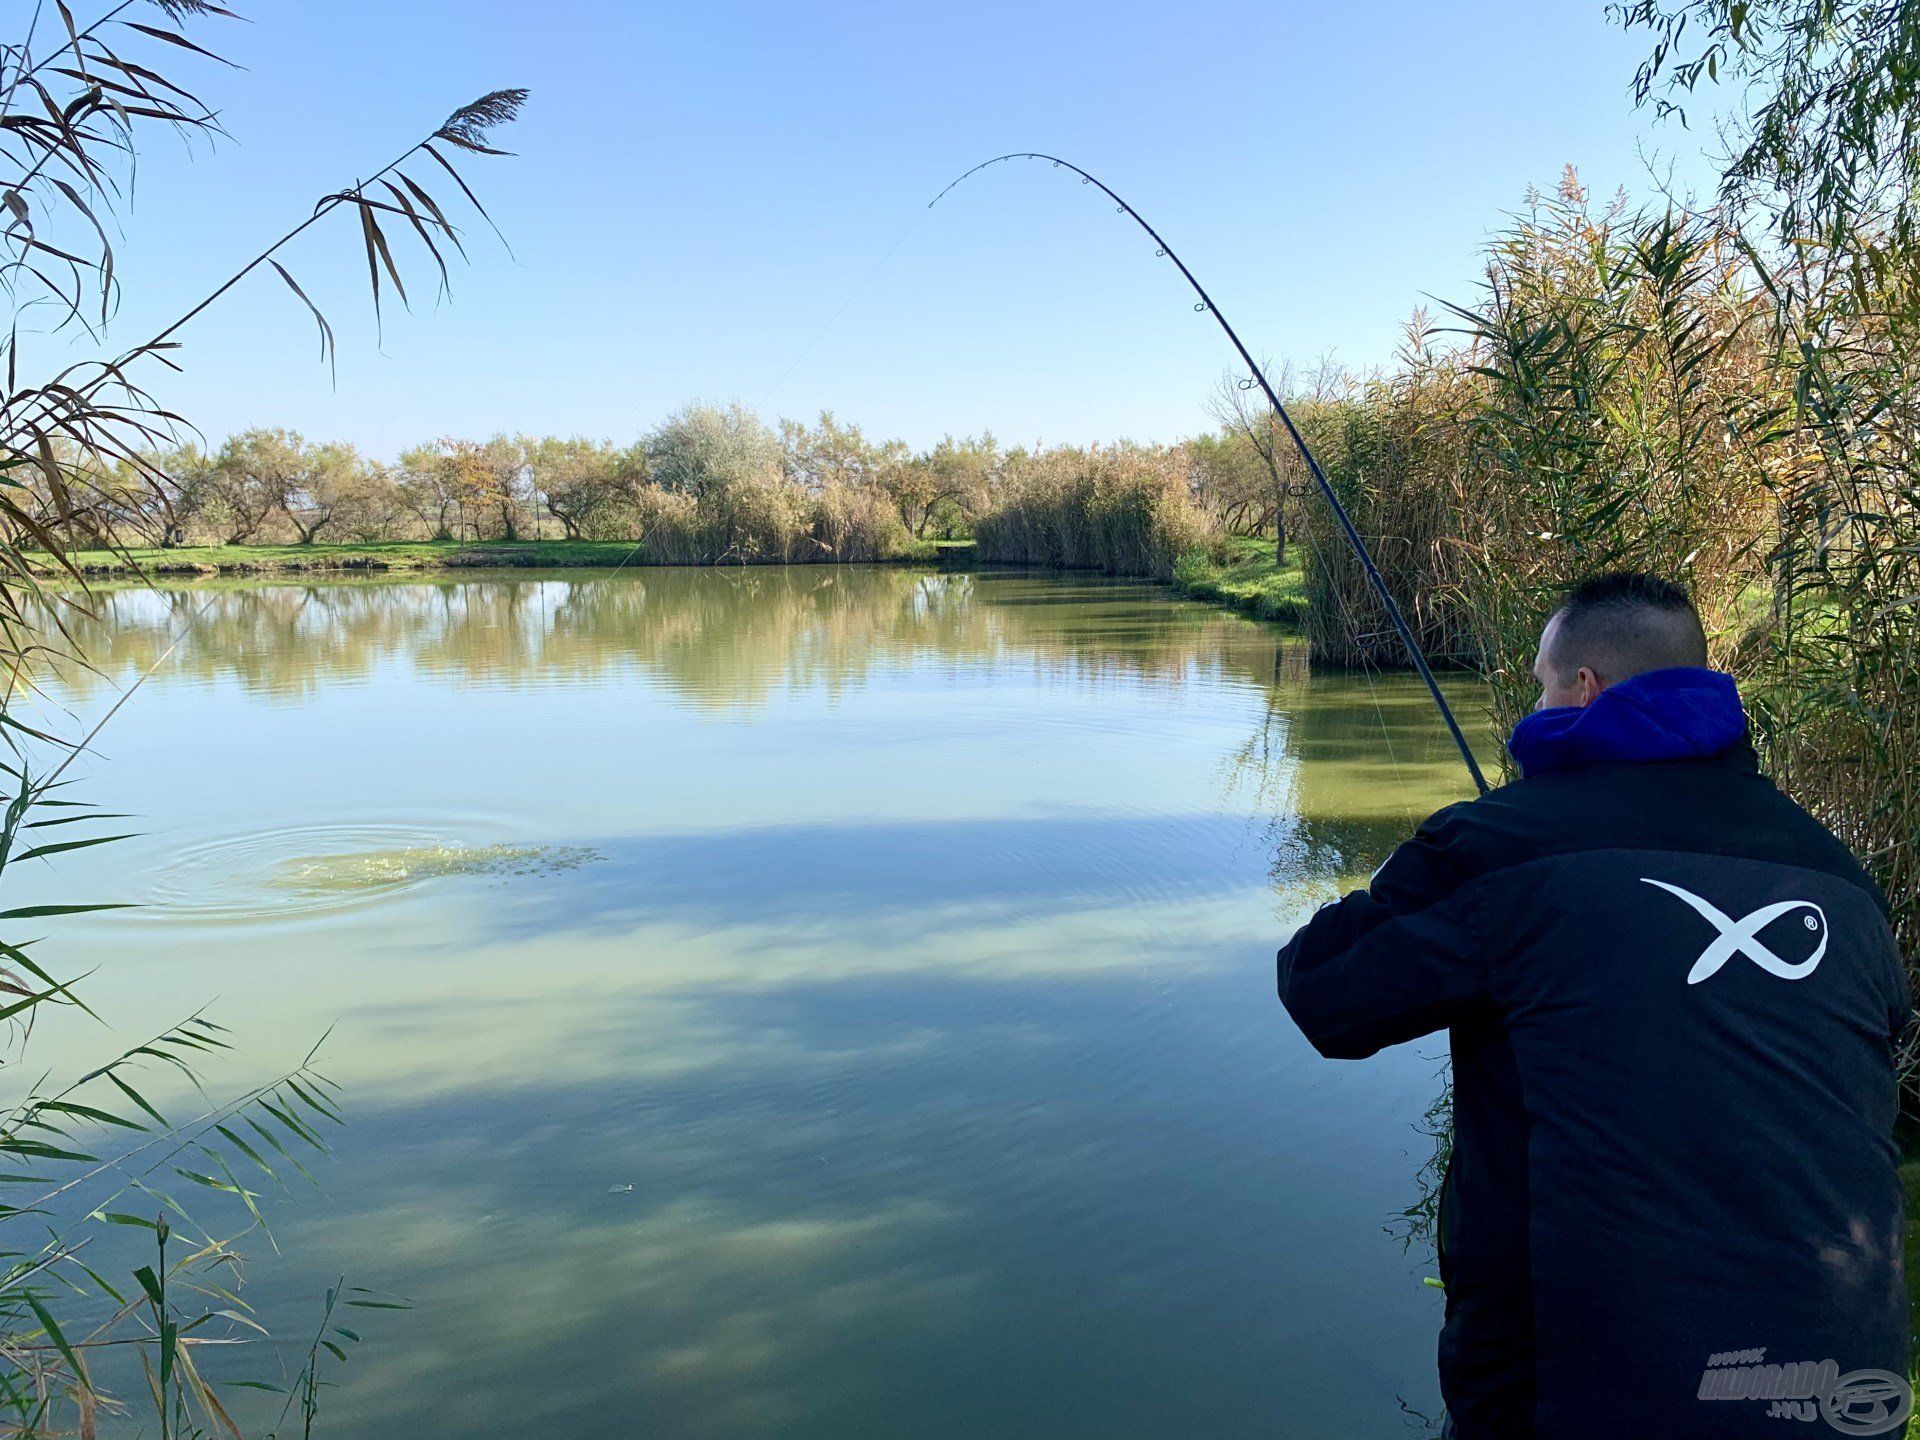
[(711, 484)]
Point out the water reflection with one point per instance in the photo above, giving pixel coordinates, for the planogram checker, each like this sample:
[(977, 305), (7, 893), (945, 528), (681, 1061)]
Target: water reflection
[(903, 1061), (720, 638)]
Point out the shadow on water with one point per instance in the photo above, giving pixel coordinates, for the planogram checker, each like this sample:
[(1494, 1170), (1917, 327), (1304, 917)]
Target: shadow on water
[(896, 1051), (809, 874)]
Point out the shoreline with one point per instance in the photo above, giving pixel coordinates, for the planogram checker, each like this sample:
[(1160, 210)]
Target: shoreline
[(380, 556)]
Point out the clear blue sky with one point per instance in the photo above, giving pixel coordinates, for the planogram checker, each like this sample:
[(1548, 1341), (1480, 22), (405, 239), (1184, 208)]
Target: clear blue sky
[(698, 187)]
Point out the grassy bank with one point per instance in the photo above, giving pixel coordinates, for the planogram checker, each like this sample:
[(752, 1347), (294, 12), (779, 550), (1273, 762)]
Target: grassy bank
[(1247, 579), (375, 555)]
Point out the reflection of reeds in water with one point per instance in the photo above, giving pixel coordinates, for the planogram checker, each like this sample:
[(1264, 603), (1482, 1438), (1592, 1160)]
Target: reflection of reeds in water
[(720, 638)]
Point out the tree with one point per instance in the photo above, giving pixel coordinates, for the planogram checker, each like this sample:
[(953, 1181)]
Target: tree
[(250, 479), (1832, 139), (834, 454), (260, 471), (632, 475), (955, 479), (578, 481), (178, 486), (376, 506), (1235, 482), (429, 488), (487, 480), (494, 479), (1255, 433), (327, 483), (153, 498), (704, 450)]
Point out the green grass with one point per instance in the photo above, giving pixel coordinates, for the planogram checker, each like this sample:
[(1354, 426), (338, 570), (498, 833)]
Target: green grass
[(928, 552), (375, 555), (1246, 579)]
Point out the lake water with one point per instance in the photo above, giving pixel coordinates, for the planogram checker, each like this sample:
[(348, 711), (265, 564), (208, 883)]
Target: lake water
[(807, 1003)]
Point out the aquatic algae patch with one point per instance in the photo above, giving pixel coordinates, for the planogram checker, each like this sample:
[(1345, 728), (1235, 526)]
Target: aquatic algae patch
[(377, 869)]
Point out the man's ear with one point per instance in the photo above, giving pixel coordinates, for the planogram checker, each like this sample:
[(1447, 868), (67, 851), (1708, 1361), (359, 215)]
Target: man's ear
[(1590, 685)]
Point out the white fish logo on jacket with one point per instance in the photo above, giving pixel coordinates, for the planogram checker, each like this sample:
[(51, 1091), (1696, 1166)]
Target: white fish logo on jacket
[(1741, 937)]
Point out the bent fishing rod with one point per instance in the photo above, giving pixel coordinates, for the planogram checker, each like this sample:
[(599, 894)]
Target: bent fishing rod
[(1360, 550)]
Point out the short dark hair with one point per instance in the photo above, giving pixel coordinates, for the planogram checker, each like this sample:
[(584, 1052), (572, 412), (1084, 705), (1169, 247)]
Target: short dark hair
[(1624, 624)]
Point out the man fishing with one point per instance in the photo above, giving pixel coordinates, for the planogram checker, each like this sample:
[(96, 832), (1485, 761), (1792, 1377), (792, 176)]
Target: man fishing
[(1672, 999)]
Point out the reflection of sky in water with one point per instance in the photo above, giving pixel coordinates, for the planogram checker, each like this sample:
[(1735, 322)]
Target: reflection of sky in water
[(919, 985)]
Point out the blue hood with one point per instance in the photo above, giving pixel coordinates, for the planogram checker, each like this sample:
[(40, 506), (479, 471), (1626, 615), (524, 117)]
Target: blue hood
[(1680, 714)]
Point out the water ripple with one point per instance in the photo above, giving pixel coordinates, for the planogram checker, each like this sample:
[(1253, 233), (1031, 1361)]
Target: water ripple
[(301, 870)]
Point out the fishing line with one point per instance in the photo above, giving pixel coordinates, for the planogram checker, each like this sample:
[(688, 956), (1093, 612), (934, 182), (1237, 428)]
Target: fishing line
[(1205, 305), (1364, 655), (1343, 610), (1361, 651), (807, 349), (833, 319), (125, 695)]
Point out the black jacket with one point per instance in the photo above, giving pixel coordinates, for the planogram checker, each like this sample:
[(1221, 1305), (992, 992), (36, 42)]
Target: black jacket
[(1672, 999)]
